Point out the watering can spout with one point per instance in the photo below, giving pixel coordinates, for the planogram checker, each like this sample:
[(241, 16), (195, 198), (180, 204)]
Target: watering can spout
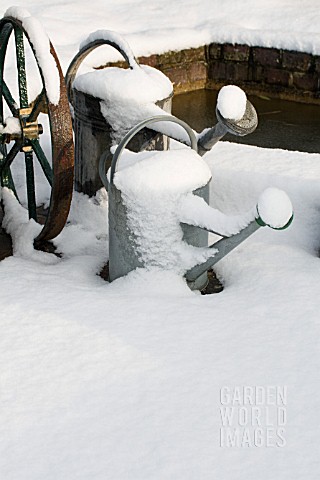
[(229, 119), (134, 198), (274, 209)]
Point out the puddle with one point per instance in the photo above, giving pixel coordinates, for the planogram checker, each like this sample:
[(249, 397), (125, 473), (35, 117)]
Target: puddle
[(282, 124)]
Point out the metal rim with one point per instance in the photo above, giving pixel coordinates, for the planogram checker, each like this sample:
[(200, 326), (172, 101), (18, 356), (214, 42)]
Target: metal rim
[(81, 55), (60, 174), (126, 139)]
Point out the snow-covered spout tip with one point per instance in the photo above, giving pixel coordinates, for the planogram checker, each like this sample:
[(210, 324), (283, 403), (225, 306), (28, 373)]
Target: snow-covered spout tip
[(275, 209), (232, 102)]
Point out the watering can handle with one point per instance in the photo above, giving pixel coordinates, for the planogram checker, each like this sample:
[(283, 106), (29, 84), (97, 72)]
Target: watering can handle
[(126, 139), (124, 49)]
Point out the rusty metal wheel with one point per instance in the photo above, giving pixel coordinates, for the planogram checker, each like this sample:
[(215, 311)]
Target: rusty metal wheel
[(51, 105)]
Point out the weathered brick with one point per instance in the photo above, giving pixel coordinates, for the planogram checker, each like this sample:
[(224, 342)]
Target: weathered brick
[(237, 71), (181, 57), (120, 64), (259, 73), (266, 56), (176, 74), (237, 53), (269, 68), (194, 54), (306, 81), (317, 63), (197, 71), (255, 73), (170, 58), (217, 71), (296, 61), (275, 76), (152, 61), (214, 51)]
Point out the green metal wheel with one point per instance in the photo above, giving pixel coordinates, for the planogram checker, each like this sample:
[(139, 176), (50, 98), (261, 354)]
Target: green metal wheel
[(22, 147)]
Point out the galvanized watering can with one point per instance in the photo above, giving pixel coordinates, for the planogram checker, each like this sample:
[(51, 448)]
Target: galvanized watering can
[(124, 255), (25, 138)]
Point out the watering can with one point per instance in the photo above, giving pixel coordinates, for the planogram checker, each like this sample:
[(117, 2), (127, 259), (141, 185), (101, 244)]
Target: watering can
[(93, 132), (60, 176), (127, 242)]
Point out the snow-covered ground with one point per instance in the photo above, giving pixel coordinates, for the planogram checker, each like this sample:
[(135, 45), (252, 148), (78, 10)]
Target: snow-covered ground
[(157, 26), (123, 381)]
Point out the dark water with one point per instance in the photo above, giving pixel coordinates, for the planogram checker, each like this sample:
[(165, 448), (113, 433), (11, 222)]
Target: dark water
[(282, 124)]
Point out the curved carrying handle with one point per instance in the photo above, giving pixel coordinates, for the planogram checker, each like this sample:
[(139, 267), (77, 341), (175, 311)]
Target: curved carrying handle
[(124, 49), (126, 139)]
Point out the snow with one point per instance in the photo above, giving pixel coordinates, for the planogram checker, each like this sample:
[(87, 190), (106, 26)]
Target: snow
[(41, 44), (16, 222), (157, 27), (195, 211), (123, 380), (22, 230), (127, 95), (122, 116), (274, 207), (160, 173), (19, 13), (231, 102), (143, 84), (113, 38), (11, 125), (152, 190)]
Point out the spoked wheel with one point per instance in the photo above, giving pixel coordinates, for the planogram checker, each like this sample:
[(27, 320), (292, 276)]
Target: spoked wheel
[(20, 133)]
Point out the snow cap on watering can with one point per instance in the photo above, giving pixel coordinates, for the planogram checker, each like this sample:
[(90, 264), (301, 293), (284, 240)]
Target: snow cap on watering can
[(106, 102), (156, 211)]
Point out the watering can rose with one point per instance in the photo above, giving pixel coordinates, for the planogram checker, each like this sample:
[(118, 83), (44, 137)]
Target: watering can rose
[(275, 208)]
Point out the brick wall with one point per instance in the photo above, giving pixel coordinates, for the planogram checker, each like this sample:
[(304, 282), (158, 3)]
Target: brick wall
[(187, 69), (281, 73), (265, 71)]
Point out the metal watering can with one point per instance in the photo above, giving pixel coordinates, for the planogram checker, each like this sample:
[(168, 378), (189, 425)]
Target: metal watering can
[(123, 252), (124, 255), (93, 133)]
